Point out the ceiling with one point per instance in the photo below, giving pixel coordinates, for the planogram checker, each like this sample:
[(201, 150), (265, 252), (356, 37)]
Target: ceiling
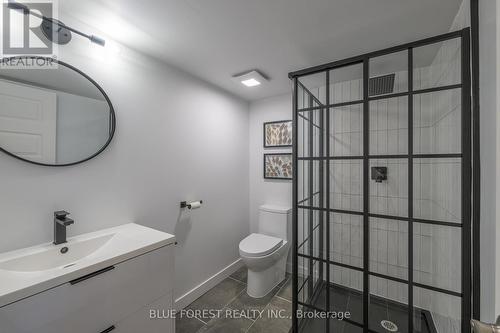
[(215, 39)]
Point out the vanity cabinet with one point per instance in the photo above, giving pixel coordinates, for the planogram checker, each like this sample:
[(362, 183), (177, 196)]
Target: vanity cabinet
[(137, 322), (114, 299)]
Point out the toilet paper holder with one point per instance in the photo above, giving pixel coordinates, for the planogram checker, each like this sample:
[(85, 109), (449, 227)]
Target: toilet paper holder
[(188, 205)]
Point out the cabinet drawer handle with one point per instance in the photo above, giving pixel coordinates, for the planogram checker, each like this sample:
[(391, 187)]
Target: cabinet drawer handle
[(91, 275), (109, 329)]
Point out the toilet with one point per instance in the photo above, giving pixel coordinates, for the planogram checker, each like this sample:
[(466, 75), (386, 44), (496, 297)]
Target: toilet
[(265, 253)]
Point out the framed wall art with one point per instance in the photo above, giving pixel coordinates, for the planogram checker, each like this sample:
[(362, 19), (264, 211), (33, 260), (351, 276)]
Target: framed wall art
[(278, 134), (278, 166)]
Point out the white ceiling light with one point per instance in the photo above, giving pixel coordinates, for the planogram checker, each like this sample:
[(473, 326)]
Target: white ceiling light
[(250, 82), (250, 79)]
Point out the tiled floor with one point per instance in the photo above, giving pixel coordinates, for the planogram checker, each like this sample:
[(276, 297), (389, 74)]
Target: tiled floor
[(231, 294)]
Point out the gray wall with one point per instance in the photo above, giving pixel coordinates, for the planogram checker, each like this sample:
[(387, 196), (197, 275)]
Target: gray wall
[(177, 138), (265, 190), (497, 251), (489, 159)]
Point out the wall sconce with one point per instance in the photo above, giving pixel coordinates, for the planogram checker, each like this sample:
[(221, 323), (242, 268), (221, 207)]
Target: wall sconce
[(55, 31)]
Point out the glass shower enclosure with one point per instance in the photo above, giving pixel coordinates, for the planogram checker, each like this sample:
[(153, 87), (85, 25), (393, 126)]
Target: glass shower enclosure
[(382, 191)]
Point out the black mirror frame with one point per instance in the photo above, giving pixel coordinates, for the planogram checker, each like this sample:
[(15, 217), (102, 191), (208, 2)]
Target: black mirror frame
[(112, 123)]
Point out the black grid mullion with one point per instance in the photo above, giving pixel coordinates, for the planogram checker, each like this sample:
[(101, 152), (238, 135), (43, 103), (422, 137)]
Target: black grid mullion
[(476, 161), (309, 108), (386, 217), (366, 194), (295, 223), (331, 262), (382, 157), (332, 210), (417, 220), (388, 277), (410, 190), (328, 105), (323, 158), (466, 182), (311, 198), (436, 289), (327, 148), (321, 190), (417, 92), (382, 276)]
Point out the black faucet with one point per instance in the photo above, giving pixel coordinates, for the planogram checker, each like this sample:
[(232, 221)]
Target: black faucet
[(61, 221)]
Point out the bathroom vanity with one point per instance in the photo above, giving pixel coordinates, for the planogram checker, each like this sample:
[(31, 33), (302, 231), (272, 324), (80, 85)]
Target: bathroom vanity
[(105, 281)]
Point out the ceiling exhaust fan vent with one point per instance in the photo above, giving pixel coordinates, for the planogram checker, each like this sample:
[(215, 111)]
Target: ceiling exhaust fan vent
[(381, 85)]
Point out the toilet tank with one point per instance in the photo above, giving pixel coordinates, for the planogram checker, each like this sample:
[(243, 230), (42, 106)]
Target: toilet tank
[(274, 220)]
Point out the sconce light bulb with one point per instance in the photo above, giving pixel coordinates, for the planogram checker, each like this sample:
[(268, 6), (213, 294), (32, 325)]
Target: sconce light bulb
[(97, 40)]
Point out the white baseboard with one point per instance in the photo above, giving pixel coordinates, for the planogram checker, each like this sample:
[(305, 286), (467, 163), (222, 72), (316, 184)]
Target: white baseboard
[(199, 290)]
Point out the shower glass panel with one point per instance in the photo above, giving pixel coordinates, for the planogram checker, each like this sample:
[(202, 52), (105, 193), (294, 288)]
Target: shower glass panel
[(389, 197), (437, 189), (388, 74), (382, 192), (389, 248), (443, 270), (437, 123), (388, 305), (445, 310), (346, 85), (437, 64), (389, 126), (346, 130), (346, 185), (346, 239)]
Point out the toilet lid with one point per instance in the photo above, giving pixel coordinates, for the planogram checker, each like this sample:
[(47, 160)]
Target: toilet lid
[(258, 245)]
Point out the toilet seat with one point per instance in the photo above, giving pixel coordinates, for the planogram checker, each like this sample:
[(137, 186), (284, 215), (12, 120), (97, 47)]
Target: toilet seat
[(258, 245)]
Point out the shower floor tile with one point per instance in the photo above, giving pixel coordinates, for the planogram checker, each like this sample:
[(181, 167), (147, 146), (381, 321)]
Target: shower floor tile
[(345, 299)]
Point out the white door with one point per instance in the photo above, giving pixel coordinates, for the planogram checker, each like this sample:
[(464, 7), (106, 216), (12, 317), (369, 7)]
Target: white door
[(28, 121)]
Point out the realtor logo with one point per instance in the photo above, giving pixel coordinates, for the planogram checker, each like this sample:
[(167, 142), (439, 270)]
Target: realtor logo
[(21, 31)]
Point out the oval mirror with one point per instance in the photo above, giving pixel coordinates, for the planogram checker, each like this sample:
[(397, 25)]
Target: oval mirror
[(52, 115)]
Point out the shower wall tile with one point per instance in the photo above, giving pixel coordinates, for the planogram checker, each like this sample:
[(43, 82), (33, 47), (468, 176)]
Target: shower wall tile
[(392, 248)]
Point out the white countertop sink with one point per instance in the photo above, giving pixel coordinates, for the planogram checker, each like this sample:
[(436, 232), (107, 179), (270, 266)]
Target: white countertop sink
[(32, 270)]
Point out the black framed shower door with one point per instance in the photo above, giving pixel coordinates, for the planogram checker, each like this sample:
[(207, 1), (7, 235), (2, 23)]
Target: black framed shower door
[(382, 190)]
